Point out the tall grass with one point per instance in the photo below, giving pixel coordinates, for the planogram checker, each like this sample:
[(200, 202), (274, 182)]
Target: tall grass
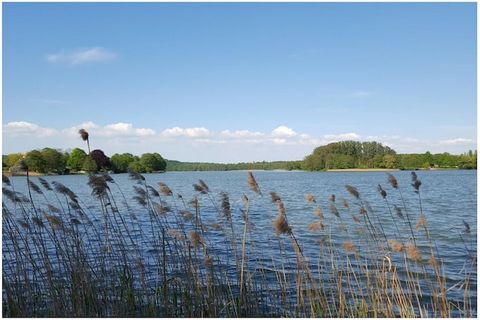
[(166, 256)]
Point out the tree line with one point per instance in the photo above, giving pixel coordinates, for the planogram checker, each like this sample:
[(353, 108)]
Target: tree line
[(49, 160), (338, 155), (366, 155)]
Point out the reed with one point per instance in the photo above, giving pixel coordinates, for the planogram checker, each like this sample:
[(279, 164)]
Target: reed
[(172, 258)]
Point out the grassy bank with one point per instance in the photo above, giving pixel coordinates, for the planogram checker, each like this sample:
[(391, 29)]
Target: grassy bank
[(204, 257)]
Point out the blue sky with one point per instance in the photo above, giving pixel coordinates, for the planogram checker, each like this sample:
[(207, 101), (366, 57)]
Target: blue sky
[(239, 82)]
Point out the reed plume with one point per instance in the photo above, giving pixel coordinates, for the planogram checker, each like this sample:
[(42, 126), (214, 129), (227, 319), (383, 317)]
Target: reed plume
[(349, 247), (334, 210), (85, 137), (38, 222), (280, 224), (467, 226), (161, 210), (153, 192), (99, 185), (195, 238), (53, 208), (186, 215), (413, 253), (6, 180), (415, 182), (252, 183), (45, 184), (204, 185), (61, 188), (226, 210), (34, 187), (382, 192), (310, 198), (164, 189), (318, 212), (275, 197), (15, 196), (316, 226), (353, 191), (55, 222), (135, 176), (395, 245), (200, 188), (392, 180)]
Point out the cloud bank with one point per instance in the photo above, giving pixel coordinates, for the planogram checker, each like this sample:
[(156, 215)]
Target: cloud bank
[(203, 144)]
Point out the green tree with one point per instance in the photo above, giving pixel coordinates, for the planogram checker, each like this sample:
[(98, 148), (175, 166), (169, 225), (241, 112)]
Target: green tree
[(153, 162), (390, 161), (137, 166), (55, 161), (12, 159), (36, 162), (89, 165), (76, 159), (120, 162)]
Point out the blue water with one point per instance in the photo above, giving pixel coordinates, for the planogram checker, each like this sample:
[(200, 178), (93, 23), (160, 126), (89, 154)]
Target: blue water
[(447, 197)]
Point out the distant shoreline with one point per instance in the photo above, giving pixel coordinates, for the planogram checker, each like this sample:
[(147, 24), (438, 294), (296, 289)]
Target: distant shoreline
[(362, 170)]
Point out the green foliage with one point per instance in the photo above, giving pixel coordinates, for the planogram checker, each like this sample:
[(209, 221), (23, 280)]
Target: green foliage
[(137, 166), (390, 161), (36, 162), (12, 159), (55, 161), (173, 165), (120, 162), (76, 159), (89, 165), (339, 155), (153, 162), (348, 154)]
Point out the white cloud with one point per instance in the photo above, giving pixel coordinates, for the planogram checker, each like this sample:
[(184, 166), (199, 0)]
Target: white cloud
[(81, 56), (457, 141), (23, 128), (241, 134), (341, 137), (199, 132), (283, 131), (125, 129)]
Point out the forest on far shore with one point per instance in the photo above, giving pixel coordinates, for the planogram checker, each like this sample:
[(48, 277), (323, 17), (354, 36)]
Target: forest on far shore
[(337, 155)]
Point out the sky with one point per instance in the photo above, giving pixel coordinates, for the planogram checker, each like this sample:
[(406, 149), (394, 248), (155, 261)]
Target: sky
[(237, 82)]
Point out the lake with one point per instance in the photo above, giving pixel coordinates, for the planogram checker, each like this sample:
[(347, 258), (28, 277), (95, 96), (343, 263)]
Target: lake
[(448, 199)]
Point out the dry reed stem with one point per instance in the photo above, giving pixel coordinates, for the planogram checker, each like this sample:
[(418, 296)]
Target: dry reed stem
[(422, 222)]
